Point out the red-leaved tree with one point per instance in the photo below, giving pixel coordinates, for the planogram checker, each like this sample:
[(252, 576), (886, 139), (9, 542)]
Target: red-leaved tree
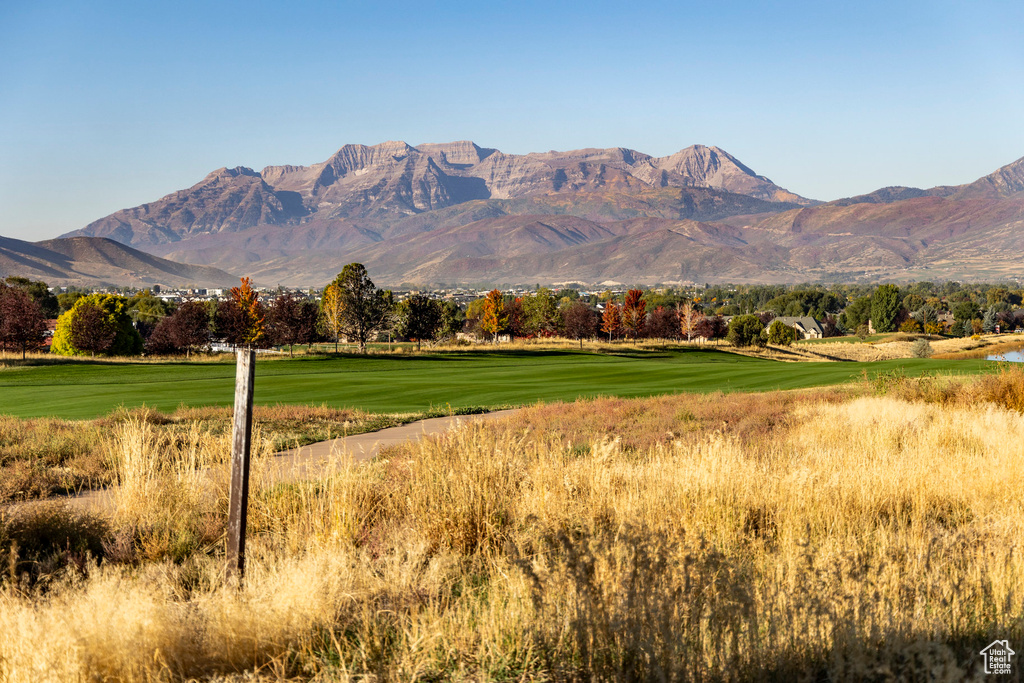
[(21, 319), (580, 322)]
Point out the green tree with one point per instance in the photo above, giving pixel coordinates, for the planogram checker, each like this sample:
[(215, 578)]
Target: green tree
[(745, 330), (781, 334), (365, 309), (452, 320), (540, 313), (857, 313), (146, 308), (100, 314), (965, 312), (989, 322), (65, 300), (419, 318), (886, 305)]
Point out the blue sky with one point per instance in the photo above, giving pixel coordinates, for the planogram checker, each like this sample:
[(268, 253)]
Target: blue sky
[(107, 105)]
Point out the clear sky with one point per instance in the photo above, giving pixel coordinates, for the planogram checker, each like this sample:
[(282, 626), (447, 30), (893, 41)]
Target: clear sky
[(107, 105)]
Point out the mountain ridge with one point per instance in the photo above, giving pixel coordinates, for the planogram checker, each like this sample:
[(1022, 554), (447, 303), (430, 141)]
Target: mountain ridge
[(459, 212)]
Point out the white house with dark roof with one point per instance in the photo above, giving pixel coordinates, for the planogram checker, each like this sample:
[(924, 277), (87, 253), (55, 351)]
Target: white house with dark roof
[(805, 325)]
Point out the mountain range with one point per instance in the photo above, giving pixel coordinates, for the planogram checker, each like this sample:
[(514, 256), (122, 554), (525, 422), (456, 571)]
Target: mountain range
[(461, 213)]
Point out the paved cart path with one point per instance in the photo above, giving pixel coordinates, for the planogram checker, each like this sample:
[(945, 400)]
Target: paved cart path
[(299, 463), (291, 465)]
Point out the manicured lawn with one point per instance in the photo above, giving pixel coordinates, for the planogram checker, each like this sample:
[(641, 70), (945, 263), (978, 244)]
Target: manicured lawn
[(415, 383)]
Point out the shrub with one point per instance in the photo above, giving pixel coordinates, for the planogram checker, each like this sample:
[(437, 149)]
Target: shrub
[(745, 330), (921, 349), (781, 334)]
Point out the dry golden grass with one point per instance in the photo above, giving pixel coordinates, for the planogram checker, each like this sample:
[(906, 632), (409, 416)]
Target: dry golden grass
[(40, 458), (800, 536)]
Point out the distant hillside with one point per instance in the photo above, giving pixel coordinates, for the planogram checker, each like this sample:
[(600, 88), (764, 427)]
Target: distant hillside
[(91, 261)]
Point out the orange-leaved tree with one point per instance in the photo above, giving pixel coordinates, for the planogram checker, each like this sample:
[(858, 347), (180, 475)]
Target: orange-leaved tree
[(495, 316), (634, 313), (250, 313), (611, 320)]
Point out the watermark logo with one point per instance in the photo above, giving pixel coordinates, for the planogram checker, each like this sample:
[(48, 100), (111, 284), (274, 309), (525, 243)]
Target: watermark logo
[(997, 657)]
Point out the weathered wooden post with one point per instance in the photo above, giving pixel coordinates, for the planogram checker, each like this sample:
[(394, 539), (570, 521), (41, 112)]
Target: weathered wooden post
[(241, 433)]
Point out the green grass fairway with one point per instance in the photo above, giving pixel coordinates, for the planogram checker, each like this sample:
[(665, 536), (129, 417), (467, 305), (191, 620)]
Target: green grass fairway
[(415, 383)]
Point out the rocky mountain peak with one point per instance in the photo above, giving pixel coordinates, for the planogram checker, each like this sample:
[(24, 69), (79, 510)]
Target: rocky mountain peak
[(1003, 182), (232, 173), (460, 153)]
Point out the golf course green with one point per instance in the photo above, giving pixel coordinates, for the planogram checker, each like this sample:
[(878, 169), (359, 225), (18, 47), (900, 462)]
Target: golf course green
[(87, 389)]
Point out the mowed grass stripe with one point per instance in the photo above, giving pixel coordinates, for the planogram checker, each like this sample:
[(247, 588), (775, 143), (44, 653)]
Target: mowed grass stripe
[(416, 383)]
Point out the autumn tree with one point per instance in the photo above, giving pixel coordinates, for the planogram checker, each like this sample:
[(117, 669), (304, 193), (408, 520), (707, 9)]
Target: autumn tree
[(495, 317), (190, 326), (516, 325), (364, 309), (92, 330), (241, 319), (580, 321), (716, 327), (691, 320), (22, 323), (420, 318), (292, 320), (611, 320), (184, 330), (39, 292), (253, 314), (634, 313), (663, 323)]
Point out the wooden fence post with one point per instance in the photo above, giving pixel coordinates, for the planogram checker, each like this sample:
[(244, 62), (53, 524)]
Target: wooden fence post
[(241, 433)]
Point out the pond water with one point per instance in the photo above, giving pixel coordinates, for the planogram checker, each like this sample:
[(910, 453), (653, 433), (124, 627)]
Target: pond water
[(1011, 356)]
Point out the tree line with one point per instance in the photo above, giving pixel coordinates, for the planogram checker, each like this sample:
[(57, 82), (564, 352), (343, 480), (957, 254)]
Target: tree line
[(352, 308)]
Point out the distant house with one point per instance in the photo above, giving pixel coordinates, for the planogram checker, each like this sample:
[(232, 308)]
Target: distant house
[(805, 325)]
